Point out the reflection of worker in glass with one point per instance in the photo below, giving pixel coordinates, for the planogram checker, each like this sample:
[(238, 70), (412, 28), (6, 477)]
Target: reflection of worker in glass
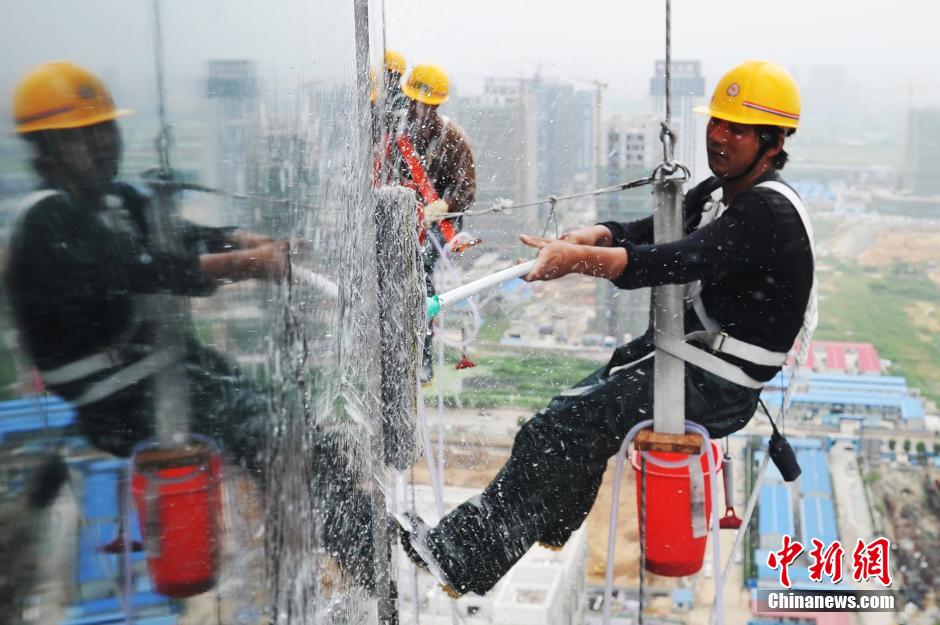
[(82, 260), (433, 156), (82, 256), (750, 252)]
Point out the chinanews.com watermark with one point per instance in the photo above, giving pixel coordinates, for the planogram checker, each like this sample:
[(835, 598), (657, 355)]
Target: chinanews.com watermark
[(868, 564), (826, 601)]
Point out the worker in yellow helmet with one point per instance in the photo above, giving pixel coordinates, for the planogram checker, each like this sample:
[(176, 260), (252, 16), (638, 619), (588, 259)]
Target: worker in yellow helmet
[(81, 257), (395, 102), (394, 70), (433, 156), (748, 252)]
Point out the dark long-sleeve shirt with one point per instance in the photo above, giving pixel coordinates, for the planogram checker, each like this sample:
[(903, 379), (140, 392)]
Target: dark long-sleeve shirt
[(74, 270), (754, 262)]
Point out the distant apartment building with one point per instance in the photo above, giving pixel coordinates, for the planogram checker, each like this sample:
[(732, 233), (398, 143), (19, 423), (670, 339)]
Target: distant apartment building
[(501, 125), (234, 88), (921, 173), (688, 91), (632, 151), (532, 138), (919, 194), (544, 588), (565, 117)]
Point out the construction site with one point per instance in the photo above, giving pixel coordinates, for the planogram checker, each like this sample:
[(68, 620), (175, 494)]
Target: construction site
[(380, 312)]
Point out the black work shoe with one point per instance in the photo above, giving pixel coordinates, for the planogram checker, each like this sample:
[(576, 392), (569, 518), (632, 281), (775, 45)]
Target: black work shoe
[(414, 534)]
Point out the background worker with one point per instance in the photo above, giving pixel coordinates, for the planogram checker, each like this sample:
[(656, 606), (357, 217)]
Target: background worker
[(395, 102), (751, 252), (432, 156)]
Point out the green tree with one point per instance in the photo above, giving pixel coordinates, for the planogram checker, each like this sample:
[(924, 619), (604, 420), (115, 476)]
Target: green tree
[(921, 448), (907, 445), (892, 444), (936, 448)]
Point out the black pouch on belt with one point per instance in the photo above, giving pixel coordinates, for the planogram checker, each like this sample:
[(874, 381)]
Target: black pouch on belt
[(781, 452)]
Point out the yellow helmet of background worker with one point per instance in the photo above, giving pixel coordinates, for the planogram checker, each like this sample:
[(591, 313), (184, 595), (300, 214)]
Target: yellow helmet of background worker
[(394, 62), (756, 92), (59, 95), (428, 84)]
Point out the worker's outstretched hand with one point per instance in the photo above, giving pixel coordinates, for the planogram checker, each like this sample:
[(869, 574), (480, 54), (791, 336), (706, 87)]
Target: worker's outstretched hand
[(597, 235), (556, 258), (270, 261), (245, 239)]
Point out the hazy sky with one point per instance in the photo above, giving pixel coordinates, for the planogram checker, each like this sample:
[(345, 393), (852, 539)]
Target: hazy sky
[(884, 46)]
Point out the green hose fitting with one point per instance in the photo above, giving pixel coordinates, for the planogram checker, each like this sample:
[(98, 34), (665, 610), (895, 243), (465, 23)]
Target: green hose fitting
[(433, 306)]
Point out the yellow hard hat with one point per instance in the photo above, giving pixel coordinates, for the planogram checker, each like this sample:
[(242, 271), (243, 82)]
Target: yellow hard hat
[(59, 95), (427, 84), (756, 92), (394, 62)]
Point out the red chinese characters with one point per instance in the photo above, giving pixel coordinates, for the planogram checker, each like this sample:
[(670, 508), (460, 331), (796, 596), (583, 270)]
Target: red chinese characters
[(826, 561), (871, 561), (784, 558)]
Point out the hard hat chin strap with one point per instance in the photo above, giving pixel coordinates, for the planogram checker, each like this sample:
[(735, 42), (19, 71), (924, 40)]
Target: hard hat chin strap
[(747, 172)]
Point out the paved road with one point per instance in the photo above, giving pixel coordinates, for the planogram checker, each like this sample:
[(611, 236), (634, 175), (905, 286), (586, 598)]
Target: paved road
[(853, 516)]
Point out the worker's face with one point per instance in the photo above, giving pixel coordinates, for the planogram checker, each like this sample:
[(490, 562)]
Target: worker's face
[(86, 159), (731, 147), (421, 115)]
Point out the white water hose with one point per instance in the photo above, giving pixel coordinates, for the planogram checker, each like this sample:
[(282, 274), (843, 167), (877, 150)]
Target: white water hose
[(466, 291), (436, 303)]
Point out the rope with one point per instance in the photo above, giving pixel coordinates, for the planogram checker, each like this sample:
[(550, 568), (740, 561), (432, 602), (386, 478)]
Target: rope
[(176, 185), (163, 139), (505, 205), (668, 65)]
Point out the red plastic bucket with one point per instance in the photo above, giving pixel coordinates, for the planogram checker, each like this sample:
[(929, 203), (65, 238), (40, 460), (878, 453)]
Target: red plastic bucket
[(177, 493), (671, 548)]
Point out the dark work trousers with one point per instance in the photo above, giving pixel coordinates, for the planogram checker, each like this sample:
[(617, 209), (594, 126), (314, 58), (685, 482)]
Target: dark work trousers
[(548, 486)]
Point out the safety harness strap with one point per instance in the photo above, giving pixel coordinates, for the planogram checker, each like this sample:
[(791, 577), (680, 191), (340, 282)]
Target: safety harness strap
[(35, 198), (132, 374), (82, 368), (723, 343), (719, 341), (704, 360), (422, 183)]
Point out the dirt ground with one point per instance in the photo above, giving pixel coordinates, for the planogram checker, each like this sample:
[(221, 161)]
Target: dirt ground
[(877, 244), (910, 501)]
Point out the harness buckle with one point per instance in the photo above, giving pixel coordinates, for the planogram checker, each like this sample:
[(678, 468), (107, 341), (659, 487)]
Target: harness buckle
[(115, 356), (719, 343)]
